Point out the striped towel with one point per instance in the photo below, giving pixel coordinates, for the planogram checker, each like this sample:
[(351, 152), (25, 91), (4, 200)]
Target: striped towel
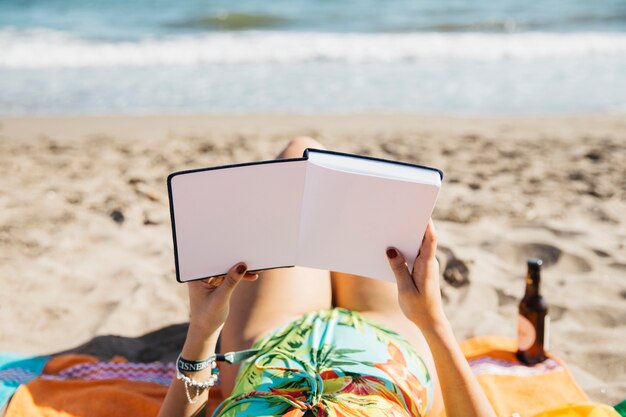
[(82, 385), (15, 370)]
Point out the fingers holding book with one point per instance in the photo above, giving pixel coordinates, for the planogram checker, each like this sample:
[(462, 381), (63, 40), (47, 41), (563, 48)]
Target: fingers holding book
[(213, 282), (419, 293), (229, 281), (209, 298)]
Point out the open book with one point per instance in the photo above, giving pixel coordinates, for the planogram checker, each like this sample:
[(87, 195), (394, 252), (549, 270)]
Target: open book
[(326, 210)]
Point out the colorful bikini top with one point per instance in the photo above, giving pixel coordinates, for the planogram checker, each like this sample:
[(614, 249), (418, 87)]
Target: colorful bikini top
[(331, 363)]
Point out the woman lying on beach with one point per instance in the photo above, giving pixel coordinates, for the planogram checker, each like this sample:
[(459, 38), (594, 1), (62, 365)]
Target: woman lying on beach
[(330, 344)]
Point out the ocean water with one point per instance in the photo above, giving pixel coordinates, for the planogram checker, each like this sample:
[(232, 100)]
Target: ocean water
[(468, 57)]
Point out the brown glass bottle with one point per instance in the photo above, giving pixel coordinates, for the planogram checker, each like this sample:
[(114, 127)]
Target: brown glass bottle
[(533, 329)]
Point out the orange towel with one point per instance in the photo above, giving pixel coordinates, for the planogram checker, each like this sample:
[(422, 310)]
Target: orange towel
[(515, 388), (81, 386), (49, 397), (580, 410)]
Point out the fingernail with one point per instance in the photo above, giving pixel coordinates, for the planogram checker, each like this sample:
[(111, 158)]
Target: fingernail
[(241, 269), (392, 253)]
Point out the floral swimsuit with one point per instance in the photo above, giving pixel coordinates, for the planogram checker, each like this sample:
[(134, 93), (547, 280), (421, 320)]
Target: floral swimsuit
[(331, 363)]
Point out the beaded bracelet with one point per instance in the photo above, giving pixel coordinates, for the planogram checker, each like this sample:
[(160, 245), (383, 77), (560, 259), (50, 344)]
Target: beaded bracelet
[(185, 365), (199, 386)]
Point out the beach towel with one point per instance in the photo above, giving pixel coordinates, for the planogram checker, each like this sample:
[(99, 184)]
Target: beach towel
[(580, 410), (73, 385), (15, 370), (544, 390), (81, 385)]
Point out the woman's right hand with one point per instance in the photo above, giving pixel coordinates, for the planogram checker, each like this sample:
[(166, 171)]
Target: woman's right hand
[(419, 293)]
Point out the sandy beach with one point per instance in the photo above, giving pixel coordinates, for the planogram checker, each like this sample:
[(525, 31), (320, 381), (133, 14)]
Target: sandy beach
[(86, 248)]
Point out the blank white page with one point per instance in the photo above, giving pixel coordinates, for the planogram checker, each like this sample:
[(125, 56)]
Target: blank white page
[(373, 167), (348, 221), (245, 213)]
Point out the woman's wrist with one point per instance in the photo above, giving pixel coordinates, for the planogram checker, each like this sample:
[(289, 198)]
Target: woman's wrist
[(436, 327), (199, 344)]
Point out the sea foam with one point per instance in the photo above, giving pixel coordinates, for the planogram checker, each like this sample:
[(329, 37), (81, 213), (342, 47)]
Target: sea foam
[(43, 48)]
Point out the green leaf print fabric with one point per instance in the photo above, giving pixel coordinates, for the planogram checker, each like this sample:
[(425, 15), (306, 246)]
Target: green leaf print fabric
[(331, 363)]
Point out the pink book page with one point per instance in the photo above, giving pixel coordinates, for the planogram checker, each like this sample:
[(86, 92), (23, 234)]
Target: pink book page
[(247, 213), (349, 220)]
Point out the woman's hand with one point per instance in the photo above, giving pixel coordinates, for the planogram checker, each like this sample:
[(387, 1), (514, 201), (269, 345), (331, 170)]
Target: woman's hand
[(418, 289), (209, 299), (420, 300)]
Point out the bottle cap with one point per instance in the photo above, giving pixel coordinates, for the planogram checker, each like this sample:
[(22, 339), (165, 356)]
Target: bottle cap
[(534, 263)]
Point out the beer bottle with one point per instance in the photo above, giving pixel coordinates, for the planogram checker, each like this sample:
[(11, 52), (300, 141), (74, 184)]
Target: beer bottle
[(533, 328)]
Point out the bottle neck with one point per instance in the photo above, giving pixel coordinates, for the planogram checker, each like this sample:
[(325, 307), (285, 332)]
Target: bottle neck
[(533, 279)]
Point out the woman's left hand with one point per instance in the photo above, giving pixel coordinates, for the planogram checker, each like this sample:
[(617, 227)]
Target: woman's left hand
[(209, 299)]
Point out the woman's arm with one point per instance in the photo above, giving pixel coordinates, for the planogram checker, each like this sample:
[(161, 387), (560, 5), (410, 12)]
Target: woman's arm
[(209, 305), (420, 299), (176, 403)]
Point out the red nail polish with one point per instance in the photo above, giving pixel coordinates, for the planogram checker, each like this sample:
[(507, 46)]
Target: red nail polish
[(391, 253), (241, 269)]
